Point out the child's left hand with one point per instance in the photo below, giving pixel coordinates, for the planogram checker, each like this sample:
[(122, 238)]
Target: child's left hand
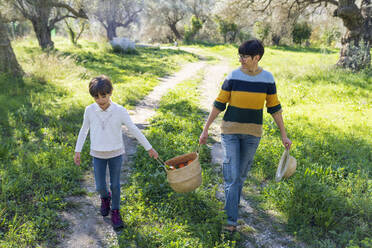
[(153, 153)]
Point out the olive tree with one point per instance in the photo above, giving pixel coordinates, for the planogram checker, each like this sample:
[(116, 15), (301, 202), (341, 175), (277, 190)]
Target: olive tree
[(116, 13), (167, 12), (356, 17), (8, 61), (44, 14)]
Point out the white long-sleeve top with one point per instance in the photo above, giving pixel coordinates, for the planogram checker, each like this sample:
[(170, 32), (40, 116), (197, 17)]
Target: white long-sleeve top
[(106, 129)]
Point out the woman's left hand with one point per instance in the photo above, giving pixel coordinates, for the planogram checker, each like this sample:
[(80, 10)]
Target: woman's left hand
[(286, 143), (153, 153)]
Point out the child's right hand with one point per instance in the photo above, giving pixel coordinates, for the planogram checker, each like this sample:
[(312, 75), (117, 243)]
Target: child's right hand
[(153, 153), (77, 158)]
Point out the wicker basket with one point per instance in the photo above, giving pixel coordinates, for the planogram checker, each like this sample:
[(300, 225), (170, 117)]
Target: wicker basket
[(287, 166), (184, 179)]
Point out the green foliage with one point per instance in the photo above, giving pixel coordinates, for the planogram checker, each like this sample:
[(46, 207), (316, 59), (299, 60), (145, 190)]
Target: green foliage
[(301, 32), (41, 115), (330, 36), (244, 36), (325, 35), (157, 216), (227, 29), (262, 30), (190, 32)]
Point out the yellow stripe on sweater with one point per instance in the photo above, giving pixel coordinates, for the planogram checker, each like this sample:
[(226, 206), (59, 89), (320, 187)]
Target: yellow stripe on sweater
[(247, 100), (272, 100), (224, 96)]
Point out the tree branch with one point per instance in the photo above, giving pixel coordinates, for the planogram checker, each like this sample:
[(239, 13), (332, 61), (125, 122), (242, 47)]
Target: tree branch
[(265, 8), (18, 4), (334, 2), (80, 14), (103, 23), (55, 20)]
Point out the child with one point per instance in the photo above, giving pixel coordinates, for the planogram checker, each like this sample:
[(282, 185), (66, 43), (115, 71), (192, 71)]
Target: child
[(104, 119)]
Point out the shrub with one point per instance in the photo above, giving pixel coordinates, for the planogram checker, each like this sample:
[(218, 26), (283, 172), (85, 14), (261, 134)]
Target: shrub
[(190, 32), (301, 32), (262, 31)]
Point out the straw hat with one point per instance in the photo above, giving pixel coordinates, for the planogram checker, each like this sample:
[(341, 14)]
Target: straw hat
[(286, 167)]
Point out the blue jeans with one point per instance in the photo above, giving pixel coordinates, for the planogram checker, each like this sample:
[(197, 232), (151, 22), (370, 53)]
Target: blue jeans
[(114, 164), (239, 150)]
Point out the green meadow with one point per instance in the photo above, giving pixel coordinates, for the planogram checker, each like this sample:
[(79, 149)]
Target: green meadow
[(327, 113)]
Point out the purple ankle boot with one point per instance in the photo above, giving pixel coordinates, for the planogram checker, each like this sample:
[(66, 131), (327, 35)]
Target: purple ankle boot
[(105, 205), (116, 219)]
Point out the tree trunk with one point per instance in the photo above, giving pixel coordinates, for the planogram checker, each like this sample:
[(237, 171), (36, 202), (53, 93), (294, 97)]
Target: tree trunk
[(276, 39), (111, 31), (43, 33), (356, 43), (8, 61), (175, 31)]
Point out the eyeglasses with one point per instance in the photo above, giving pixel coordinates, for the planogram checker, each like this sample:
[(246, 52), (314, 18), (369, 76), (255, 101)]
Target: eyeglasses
[(243, 56)]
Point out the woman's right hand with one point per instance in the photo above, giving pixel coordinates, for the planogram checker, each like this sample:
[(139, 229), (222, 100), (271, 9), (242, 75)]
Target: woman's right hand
[(77, 158), (203, 137)]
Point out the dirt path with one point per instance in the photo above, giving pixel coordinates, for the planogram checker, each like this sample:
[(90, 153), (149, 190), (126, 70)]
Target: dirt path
[(87, 228)]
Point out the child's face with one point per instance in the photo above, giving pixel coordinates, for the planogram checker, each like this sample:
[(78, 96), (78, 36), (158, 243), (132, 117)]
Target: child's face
[(103, 101)]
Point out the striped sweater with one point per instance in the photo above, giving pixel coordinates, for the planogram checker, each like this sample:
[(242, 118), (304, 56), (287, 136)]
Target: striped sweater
[(246, 96)]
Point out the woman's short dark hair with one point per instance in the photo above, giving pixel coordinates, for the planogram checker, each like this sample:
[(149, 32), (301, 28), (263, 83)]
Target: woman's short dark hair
[(100, 85), (252, 48)]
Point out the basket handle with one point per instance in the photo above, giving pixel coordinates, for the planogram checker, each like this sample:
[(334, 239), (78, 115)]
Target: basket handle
[(162, 163), (198, 149)]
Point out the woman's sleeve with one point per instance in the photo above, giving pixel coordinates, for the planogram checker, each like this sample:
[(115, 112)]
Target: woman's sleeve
[(224, 95), (272, 101), (83, 132)]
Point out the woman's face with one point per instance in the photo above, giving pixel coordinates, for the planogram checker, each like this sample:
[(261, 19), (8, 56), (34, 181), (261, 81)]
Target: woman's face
[(248, 61)]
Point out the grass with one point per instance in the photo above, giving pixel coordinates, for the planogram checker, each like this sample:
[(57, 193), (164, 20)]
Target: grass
[(327, 113), (41, 115)]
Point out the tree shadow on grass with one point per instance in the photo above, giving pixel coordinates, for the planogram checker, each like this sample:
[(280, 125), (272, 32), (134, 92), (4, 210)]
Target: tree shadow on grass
[(36, 159), (181, 108), (148, 61), (304, 49), (336, 76)]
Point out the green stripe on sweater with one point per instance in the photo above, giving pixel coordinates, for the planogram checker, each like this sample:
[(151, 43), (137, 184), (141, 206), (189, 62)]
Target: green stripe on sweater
[(240, 115)]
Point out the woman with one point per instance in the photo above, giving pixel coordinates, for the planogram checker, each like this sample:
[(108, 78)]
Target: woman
[(246, 90)]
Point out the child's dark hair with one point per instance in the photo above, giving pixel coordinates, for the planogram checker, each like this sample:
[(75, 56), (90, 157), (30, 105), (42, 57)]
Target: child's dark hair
[(100, 85), (252, 48)]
